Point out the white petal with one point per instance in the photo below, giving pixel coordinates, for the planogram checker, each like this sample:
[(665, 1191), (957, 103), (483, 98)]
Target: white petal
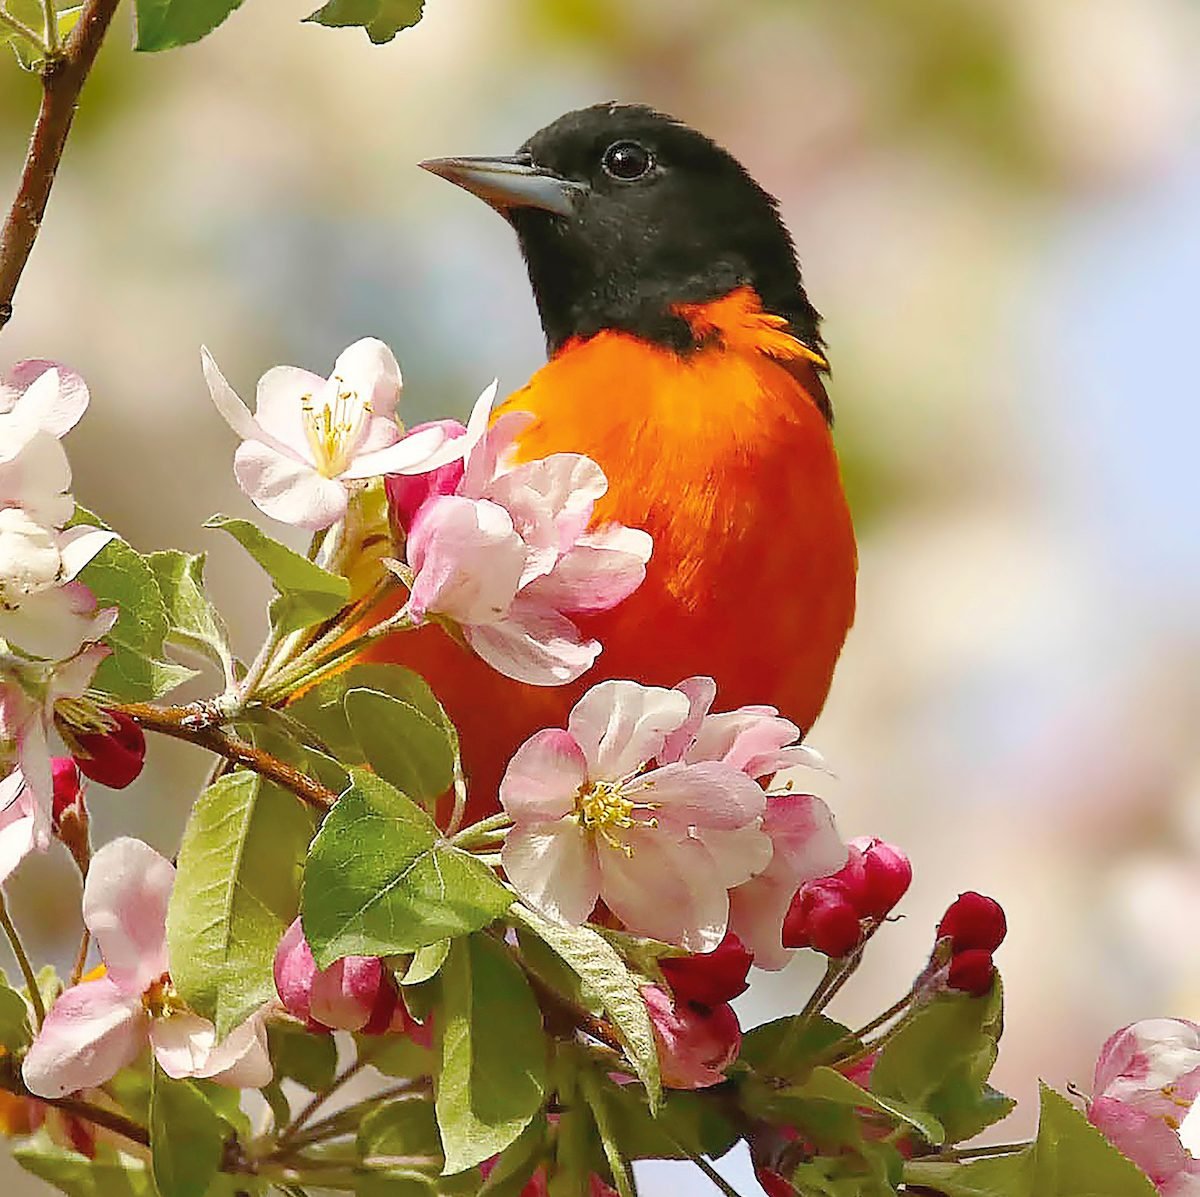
[(182, 1043), (16, 843), (534, 645), (553, 867), (370, 370), (620, 725), (92, 1031), (279, 407), (236, 414), (79, 545), (703, 795), (241, 1060), (125, 907), (55, 407), (543, 777), (52, 624), (738, 855), (587, 579), (10, 789), (36, 477), (417, 453), (33, 757), (286, 489)]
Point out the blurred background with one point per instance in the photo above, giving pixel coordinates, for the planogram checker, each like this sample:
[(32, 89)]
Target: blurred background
[(997, 205)]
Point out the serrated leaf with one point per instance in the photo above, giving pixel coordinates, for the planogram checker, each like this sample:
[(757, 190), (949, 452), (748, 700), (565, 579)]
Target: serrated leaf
[(110, 1174), (164, 24), (606, 979), (517, 1163), (187, 1137), (827, 1084), (402, 744), (136, 670), (236, 892), (593, 1094), (492, 1052), (195, 624), (789, 1047), (307, 594), (381, 880), (382, 19)]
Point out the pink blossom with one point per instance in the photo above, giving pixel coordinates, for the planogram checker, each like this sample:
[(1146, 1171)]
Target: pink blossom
[(43, 394), (823, 916), (96, 1028), (695, 1043), (709, 978), (594, 820), (1146, 1086), (505, 552), (16, 823), (312, 439)]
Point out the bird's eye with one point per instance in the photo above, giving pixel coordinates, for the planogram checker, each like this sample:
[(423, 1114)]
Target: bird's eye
[(626, 160)]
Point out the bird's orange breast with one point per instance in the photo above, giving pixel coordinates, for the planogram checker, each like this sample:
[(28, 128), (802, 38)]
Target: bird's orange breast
[(726, 459)]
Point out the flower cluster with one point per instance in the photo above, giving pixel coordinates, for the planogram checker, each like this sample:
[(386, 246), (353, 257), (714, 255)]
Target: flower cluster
[(973, 926)]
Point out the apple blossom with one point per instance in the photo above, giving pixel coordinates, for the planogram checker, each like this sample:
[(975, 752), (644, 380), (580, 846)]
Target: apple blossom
[(1146, 1088), (823, 916), (709, 978), (503, 550), (99, 1026), (971, 972), (43, 394), (593, 820), (882, 875), (312, 439)]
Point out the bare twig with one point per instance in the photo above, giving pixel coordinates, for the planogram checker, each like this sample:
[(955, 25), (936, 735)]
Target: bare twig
[(62, 80)]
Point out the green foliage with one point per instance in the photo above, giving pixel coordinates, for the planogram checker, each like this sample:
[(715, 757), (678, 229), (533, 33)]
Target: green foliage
[(308, 1059), (164, 24), (492, 1066), (30, 14), (15, 1031), (195, 624), (382, 19), (789, 1047), (236, 891), (187, 1137), (306, 593), (381, 880), (137, 669), (110, 1174)]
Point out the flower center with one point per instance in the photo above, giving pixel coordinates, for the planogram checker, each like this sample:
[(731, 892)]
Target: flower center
[(333, 429), (603, 808), (160, 999)]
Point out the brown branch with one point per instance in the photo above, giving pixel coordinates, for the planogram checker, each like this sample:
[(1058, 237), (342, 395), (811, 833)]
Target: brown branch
[(62, 81), (197, 725), (109, 1119)]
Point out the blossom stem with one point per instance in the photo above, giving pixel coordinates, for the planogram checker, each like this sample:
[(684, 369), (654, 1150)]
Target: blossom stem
[(294, 1127), (701, 1163), (346, 1121), (483, 831), (14, 938), (953, 1154), (85, 943), (833, 1053)]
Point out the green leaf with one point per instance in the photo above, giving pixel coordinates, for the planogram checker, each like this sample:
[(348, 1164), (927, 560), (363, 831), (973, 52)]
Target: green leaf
[(607, 981), (110, 1174), (381, 880), (1073, 1159), (121, 577), (187, 1138), (195, 623), (15, 1031), (382, 19), (236, 891), (306, 1058), (30, 12), (517, 1163), (940, 1061), (788, 1047), (687, 1124), (407, 1127), (426, 963), (827, 1084), (403, 744), (397, 1055), (307, 594), (492, 1052), (998, 1176), (164, 24), (593, 1094)]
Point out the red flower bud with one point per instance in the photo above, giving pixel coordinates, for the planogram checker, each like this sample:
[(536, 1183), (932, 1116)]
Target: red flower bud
[(711, 978), (973, 921), (407, 492), (773, 1184), (971, 971), (822, 916), (112, 758), (886, 876), (695, 1044), (68, 787)]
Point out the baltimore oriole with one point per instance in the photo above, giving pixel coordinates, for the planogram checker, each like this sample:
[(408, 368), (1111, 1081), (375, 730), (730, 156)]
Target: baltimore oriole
[(686, 359)]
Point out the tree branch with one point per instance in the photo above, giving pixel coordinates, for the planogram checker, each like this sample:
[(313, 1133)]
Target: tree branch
[(196, 725), (62, 81)]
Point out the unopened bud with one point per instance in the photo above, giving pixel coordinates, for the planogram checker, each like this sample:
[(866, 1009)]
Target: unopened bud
[(971, 971), (712, 978), (886, 876), (68, 789), (973, 921), (113, 758), (695, 1044), (406, 493), (773, 1184), (822, 916)]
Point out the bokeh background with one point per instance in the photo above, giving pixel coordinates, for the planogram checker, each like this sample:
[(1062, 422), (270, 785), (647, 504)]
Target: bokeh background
[(997, 204)]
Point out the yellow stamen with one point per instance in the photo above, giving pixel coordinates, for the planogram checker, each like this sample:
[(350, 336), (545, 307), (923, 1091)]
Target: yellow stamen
[(333, 429), (603, 808), (160, 999)]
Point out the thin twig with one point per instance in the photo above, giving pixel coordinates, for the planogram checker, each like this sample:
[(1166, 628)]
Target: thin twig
[(81, 956), (62, 81), (954, 1154), (14, 938), (294, 1127)]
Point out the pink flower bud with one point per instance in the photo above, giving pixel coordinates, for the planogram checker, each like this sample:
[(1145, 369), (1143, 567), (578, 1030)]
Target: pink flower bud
[(355, 993), (711, 978), (823, 917), (886, 876), (695, 1044), (112, 758), (68, 788), (973, 921), (971, 971), (407, 492), (773, 1184)]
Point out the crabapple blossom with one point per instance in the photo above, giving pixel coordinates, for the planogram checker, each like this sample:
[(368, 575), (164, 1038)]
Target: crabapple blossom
[(1144, 1096), (709, 978), (823, 916), (971, 972), (594, 820), (99, 1026), (312, 439), (44, 395)]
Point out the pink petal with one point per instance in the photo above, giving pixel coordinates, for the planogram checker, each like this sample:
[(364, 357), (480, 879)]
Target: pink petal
[(56, 409), (286, 489), (35, 475), (666, 889), (551, 496), (182, 1043), (467, 558), (125, 907), (422, 450), (33, 757), (701, 692), (242, 1059), (279, 409), (738, 855), (620, 725), (237, 415), (343, 995), (483, 459), (590, 578), (705, 795), (543, 777), (294, 969), (186, 1045), (92, 1031), (370, 370), (11, 788), (407, 492), (16, 843), (534, 645), (553, 867)]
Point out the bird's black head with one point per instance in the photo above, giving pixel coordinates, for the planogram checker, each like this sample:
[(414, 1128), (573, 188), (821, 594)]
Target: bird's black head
[(623, 213)]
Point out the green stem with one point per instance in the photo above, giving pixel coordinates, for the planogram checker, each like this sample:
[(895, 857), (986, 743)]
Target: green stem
[(953, 1154), (346, 1121), (50, 19), (702, 1164), (294, 1127), (22, 30), (481, 832), (14, 938)]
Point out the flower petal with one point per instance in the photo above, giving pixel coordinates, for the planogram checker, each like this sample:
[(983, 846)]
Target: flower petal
[(422, 450), (125, 907), (553, 867), (182, 1043), (11, 788), (92, 1031), (701, 692), (590, 577), (279, 403), (287, 489), (242, 1059), (52, 624), (534, 644), (55, 408), (16, 843), (709, 794), (370, 370), (620, 725), (738, 855), (186, 1045), (543, 777), (237, 415), (79, 545)]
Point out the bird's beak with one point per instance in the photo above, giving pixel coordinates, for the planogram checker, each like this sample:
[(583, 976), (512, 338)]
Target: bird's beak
[(509, 182)]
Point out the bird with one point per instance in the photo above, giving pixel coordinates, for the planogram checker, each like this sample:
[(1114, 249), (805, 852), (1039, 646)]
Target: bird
[(684, 356)]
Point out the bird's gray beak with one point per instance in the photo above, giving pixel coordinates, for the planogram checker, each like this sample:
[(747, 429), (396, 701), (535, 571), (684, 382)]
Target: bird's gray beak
[(509, 182)]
